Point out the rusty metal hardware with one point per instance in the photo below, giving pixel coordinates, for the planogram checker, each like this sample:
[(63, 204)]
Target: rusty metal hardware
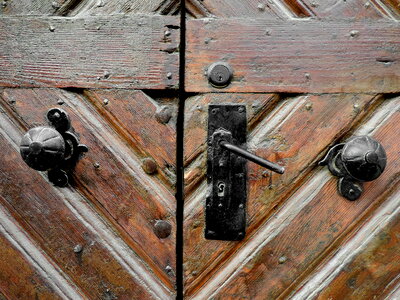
[(219, 74), (55, 148), (360, 159), (227, 174)]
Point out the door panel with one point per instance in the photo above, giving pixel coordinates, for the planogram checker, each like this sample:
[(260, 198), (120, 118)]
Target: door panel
[(117, 78), (303, 240), (100, 52)]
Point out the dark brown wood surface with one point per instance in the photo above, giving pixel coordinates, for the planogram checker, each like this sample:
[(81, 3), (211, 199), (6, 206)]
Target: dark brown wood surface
[(126, 199), (316, 56), (101, 52), (303, 241)]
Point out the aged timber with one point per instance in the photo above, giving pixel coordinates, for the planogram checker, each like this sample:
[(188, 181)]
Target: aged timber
[(114, 52), (270, 55)]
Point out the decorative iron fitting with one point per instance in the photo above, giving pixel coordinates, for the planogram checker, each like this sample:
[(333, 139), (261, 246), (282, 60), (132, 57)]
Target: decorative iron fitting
[(55, 148)]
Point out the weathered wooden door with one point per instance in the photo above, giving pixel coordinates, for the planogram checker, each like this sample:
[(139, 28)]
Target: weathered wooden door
[(113, 67), (312, 74)]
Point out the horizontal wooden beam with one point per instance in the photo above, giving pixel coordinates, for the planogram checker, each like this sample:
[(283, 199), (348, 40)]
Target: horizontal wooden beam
[(314, 56), (99, 52)]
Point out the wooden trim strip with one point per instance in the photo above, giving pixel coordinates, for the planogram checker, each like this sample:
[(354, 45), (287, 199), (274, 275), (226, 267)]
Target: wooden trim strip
[(313, 56), (100, 52), (324, 276), (47, 269)]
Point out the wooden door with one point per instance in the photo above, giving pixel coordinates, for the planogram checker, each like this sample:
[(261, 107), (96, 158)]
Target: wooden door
[(113, 67), (312, 74)]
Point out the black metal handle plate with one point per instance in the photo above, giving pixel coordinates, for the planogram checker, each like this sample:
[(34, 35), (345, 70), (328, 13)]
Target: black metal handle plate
[(227, 173)]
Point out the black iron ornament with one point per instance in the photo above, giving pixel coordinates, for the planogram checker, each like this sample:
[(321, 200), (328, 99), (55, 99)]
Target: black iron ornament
[(55, 148), (225, 210), (361, 159)]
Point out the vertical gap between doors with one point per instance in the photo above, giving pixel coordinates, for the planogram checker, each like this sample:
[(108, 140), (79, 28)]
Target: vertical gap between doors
[(179, 156)]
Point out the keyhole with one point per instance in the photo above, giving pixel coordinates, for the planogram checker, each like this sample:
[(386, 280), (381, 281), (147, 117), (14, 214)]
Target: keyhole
[(220, 77), (221, 189)]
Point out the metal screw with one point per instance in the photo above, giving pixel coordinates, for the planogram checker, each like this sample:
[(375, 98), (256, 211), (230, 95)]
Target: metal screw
[(105, 101), (60, 102), (106, 74), (169, 75), (167, 33), (282, 259), (52, 28), (163, 115), (241, 205), (219, 74), (261, 6), (78, 248), (96, 165), (149, 165), (162, 229), (354, 33), (309, 106), (55, 5), (307, 75), (169, 271), (211, 233)]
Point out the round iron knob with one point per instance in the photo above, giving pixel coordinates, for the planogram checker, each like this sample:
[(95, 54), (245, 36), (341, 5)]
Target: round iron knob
[(364, 158), (42, 148)]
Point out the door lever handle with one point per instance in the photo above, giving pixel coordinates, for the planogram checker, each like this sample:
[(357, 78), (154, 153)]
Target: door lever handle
[(225, 211), (252, 157)]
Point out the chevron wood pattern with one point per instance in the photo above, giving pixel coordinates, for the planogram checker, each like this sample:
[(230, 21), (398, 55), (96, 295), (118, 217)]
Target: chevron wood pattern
[(303, 240)]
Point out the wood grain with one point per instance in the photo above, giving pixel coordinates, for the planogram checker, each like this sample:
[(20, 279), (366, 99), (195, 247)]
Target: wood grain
[(126, 7), (295, 134), (102, 52), (134, 115), (319, 228), (37, 7), (44, 212), (367, 265), (120, 190), (315, 56), (18, 278)]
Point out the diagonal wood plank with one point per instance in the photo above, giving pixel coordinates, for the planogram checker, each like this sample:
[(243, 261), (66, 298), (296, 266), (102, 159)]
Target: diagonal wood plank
[(25, 272), (126, 7), (281, 259), (119, 188), (354, 9), (36, 7), (46, 214), (365, 263), (315, 56), (146, 125), (106, 52), (294, 134)]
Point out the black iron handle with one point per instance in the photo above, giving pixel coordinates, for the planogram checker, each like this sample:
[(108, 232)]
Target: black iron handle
[(55, 148), (360, 159), (254, 158)]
